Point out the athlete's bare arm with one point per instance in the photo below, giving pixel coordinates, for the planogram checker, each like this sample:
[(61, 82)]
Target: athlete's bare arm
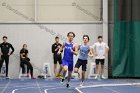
[(75, 50), (61, 49), (91, 52)]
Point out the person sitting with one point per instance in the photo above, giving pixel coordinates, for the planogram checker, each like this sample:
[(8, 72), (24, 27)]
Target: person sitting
[(24, 60)]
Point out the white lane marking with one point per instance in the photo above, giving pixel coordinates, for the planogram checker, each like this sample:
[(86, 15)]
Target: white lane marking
[(105, 85), (53, 89), (5, 87), (35, 87), (45, 90), (79, 91), (38, 87), (13, 91)]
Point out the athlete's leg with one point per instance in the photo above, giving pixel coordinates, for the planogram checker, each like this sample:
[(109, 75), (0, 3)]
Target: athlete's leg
[(77, 66), (1, 62), (83, 76), (61, 67), (23, 67), (84, 67), (7, 64), (29, 66), (69, 75), (76, 70), (55, 67), (70, 69), (97, 68), (28, 69), (65, 68), (68, 78), (102, 68)]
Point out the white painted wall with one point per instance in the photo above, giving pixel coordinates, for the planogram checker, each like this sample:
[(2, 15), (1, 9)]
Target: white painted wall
[(39, 41)]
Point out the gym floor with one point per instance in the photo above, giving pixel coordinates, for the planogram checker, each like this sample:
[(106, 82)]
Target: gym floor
[(54, 86)]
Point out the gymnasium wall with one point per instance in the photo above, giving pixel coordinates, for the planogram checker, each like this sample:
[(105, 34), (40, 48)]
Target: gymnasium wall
[(39, 41)]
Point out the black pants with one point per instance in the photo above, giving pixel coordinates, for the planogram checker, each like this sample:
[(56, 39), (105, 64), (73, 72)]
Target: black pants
[(29, 66), (6, 59)]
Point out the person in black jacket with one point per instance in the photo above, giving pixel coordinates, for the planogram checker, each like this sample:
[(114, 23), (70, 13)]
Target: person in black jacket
[(57, 57), (5, 53), (24, 60)]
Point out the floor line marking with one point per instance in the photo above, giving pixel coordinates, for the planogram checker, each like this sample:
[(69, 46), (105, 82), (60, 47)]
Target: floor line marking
[(105, 85), (38, 87), (5, 87), (53, 89), (79, 91), (115, 91), (109, 85), (13, 91), (45, 90)]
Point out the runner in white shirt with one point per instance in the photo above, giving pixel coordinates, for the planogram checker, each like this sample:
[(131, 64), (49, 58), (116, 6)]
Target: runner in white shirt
[(100, 50)]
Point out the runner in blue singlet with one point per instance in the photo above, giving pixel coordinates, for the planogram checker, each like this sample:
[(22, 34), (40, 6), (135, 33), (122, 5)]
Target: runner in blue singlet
[(70, 49)]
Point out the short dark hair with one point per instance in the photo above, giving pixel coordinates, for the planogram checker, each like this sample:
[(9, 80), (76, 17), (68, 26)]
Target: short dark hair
[(24, 45), (100, 37), (86, 36), (56, 37), (4, 37), (71, 33)]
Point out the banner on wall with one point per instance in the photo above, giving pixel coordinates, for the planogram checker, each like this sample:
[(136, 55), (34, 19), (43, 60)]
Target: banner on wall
[(126, 45)]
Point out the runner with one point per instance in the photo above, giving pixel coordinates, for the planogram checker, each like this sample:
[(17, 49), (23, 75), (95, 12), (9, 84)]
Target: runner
[(84, 52), (70, 49)]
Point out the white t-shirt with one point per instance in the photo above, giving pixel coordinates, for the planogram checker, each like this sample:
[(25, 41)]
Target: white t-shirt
[(99, 50)]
